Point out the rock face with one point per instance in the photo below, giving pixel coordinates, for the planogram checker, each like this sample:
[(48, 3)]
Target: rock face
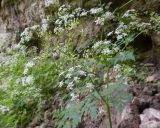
[(150, 118), (15, 16), (6, 39), (146, 5), (144, 110), (156, 43), (20, 15)]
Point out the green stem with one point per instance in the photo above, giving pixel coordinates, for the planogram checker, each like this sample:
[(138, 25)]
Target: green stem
[(106, 103), (109, 112), (107, 81), (126, 44), (122, 6)]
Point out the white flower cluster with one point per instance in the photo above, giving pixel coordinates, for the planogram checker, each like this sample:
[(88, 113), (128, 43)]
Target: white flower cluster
[(74, 96), (105, 47), (27, 34), (28, 66), (65, 18), (74, 78), (71, 77), (44, 24), (105, 17), (26, 80), (121, 31), (48, 3), (100, 21), (129, 14), (64, 9), (90, 86), (155, 20), (3, 109), (117, 68), (96, 10), (144, 26), (100, 43)]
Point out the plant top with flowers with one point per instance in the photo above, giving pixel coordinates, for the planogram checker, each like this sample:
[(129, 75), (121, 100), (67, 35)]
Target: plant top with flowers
[(58, 79)]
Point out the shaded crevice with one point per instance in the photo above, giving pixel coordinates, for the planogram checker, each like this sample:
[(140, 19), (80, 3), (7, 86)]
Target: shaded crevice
[(142, 43)]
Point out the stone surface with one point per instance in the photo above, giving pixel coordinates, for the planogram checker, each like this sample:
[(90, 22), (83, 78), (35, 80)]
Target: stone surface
[(156, 46), (149, 115), (20, 15), (143, 111), (150, 124), (6, 39), (146, 5)]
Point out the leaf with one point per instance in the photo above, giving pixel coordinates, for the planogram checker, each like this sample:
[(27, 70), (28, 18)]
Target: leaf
[(123, 57), (117, 93)]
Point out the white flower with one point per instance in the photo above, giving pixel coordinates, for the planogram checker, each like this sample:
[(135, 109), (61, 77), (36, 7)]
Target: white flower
[(68, 75), (4, 109), (106, 51), (58, 22), (44, 26), (48, 2), (144, 25), (96, 10), (58, 30), (109, 15), (120, 29), (26, 36), (71, 69), (30, 64), (29, 80), (107, 42), (78, 66), (129, 13), (119, 37), (61, 84), (82, 72), (25, 71), (76, 78), (27, 66), (83, 14), (116, 49), (100, 21), (97, 44), (34, 27), (17, 46), (124, 34), (89, 86), (74, 96), (71, 16), (18, 81), (70, 86), (117, 68)]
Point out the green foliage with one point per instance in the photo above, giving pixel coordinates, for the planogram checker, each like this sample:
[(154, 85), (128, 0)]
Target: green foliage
[(117, 93), (72, 115)]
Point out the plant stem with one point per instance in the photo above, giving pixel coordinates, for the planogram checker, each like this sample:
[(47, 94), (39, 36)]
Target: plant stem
[(107, 102), (109, 112), (122, 6)]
